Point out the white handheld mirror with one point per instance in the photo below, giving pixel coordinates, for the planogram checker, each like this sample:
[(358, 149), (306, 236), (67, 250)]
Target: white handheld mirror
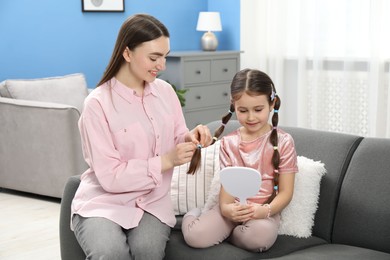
[(240, 182)]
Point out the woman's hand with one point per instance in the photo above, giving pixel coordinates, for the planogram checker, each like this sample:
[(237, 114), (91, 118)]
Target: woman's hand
[(181, 154), (199, 135)]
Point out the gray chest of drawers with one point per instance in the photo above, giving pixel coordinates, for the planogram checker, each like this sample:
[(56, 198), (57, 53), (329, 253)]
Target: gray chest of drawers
[(207, 76)]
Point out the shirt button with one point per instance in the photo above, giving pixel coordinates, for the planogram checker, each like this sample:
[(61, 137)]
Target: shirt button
[(151, 118), (156, 154), (158, 137)]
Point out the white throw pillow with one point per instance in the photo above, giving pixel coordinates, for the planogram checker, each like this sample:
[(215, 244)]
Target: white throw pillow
[(297, 219), (190, 191), (69, 89)]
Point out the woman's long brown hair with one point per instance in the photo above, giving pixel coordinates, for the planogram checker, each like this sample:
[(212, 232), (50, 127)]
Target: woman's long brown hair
[(136, 30), (252, 82)]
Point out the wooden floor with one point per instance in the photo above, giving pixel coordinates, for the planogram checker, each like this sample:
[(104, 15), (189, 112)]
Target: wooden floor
[(29, 226)]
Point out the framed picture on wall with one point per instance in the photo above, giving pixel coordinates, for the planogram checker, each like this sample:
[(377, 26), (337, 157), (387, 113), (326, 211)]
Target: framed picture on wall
[(103, 5)]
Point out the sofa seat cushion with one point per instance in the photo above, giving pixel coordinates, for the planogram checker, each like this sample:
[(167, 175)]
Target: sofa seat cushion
[(177, 248), (69, 89), (335, 252)]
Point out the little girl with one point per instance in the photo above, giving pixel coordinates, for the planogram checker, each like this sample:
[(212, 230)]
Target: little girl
[(258, 145)]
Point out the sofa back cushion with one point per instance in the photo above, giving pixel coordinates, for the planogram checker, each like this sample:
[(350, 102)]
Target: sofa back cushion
[(335, 151), (69, 90), (363, 212)]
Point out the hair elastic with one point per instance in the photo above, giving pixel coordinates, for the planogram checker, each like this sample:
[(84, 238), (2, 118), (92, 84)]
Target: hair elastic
[(276, 171), (223, 124), (199, 146), (274, 128), (276, 187), (276, 111), (275, 148), (215, 138), (230, 112)]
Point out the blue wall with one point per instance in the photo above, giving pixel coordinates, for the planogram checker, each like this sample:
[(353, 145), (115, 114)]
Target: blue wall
[(53, 38)]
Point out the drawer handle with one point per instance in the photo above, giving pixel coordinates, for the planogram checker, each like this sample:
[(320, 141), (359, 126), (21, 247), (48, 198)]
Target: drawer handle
[(198, 72), (225, 70), (198, 97)]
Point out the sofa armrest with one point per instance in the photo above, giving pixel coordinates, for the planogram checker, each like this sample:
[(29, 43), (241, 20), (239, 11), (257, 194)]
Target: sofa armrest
[(40, 146), (70, 248)]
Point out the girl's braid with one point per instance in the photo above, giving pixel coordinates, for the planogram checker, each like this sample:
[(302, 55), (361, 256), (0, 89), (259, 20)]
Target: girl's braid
[(196, 158), (274, 141)]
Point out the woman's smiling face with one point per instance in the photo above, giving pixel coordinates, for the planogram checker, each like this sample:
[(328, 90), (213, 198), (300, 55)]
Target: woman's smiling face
[(149, 58)]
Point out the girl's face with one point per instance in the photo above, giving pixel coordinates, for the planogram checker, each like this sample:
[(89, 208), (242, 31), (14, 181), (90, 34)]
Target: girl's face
[(253, 114), (147, 59)]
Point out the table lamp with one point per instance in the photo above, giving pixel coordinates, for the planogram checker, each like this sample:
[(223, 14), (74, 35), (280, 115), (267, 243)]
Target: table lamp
[(208, 22)]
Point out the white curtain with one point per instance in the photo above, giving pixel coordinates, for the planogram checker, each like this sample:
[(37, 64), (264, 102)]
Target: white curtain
[(329, 60)]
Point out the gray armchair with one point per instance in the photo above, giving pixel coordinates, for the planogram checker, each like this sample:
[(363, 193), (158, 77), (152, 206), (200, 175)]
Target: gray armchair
[(40, 144)]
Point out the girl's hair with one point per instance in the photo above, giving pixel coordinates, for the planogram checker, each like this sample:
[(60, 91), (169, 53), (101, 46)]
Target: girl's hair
[(254, 83), (136, 30)]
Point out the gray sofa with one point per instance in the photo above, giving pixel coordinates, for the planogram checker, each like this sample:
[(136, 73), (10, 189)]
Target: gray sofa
[(353, 216), (39, 137)]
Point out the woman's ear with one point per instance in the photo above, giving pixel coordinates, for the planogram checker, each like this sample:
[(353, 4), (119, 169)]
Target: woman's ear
[(127, 54)]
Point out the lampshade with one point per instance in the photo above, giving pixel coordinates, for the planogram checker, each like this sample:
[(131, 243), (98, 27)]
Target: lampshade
[(209, 21)]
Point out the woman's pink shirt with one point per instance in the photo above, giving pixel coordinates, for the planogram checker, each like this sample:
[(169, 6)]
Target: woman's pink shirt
[(257, 154), (123, 137)]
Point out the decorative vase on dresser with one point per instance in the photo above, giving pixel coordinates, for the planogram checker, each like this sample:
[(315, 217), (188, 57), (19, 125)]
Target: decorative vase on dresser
[(207, 76)]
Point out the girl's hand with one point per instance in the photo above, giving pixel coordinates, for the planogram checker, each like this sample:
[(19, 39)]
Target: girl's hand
[(260, 211), (237, 212), (199, 135), (181, 154)]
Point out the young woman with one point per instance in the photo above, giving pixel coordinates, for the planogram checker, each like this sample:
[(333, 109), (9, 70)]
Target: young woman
[(133, 134), (259, 145)]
